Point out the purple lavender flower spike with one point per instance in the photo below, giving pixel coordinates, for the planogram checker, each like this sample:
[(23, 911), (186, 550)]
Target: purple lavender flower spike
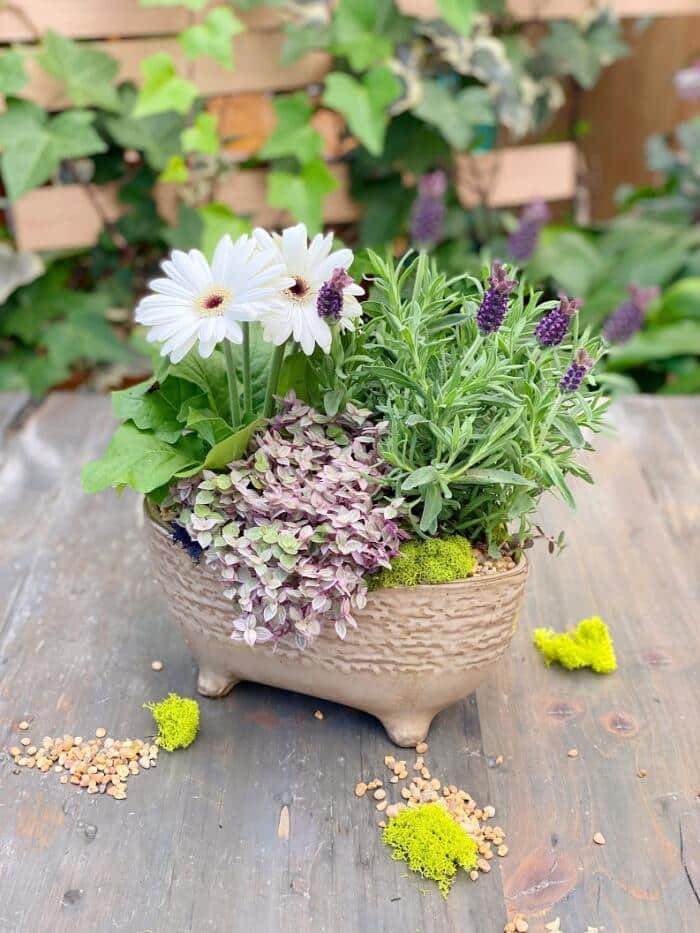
[(428, 214), (494, 304), (551, 329), (626, 320), (329, 303), (573, 377), (523, 240)]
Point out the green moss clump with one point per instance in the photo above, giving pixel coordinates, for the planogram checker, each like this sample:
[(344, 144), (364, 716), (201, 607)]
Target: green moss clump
[(588, 645), (177, 719), (432, 844), (433, 560)]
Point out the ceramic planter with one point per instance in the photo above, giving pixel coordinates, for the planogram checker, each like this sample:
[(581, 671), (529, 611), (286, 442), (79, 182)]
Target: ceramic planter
[(416, 650)]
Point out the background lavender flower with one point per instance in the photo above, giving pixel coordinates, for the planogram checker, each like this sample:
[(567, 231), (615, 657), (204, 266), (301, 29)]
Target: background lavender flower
[(293, 529), (329, 302), (523, 240), (428, 213), (494, 304), (687, 82), (551, 329), (573, 377), (628, 318)]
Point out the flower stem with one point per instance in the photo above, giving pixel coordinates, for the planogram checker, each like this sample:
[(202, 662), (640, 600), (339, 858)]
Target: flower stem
[(273, 380), (233, 395), (247, 382)]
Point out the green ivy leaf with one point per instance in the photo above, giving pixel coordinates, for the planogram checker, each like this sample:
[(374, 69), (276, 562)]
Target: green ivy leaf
[(217, 220), (300, 40), (459, 14), (202, 137), (34, 144), (357, 34), (85, 334), (87, 73), (364, 103), (292, 135), (456, 115), (158, 137), (175, 171), (13, 77), (162, 89), (302, 194), (141, 460), (213, 36)]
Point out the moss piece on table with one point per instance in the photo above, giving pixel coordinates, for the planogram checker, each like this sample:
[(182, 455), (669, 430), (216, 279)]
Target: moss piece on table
[(432, 844), (433, 560), (177, 719), (588, 645)]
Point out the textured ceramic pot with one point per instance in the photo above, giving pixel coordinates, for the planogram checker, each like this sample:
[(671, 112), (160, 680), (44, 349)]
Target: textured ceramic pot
[(416, 650)]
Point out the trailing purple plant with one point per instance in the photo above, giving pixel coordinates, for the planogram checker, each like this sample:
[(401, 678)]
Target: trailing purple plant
[(428, 214), (552, 327), (628, 318), (523, 240), (294, 528), (494, 304)]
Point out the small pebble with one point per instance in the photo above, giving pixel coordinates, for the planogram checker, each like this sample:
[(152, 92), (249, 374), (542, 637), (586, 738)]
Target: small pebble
[(380, 794), (360, 789), (25, 741), (599, 839), (521, 925), (502, 850), (642, 773), (15, 751), (24, 725), (553, 926), (474, 875), (499, 759), (483, 865), (156, 665), (382, 805), (572, 753), (318, 714), (421, 748), (100, 733)]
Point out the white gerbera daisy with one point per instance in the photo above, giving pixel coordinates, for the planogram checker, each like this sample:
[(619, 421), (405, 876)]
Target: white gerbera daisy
[(199, 302), (310, 265)]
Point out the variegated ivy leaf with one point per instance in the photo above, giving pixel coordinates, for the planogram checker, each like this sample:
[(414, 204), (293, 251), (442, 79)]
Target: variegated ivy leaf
[(17, 269), (457, 116)]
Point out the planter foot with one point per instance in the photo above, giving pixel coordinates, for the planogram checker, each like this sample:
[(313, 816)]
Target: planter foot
[(213, 684), (407, 730)]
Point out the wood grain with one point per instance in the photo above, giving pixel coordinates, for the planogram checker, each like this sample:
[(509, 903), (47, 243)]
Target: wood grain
[(562, 9)]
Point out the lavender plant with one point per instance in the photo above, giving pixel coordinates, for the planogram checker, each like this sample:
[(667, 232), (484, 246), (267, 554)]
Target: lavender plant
[(294, 528), (480, 419)]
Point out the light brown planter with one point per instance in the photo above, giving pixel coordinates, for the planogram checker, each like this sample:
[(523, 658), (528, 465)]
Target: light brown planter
[(416, 650)]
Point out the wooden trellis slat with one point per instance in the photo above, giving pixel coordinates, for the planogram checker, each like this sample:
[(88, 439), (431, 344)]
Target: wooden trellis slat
[(65, 216), (99, 19), (566, 9), (517, 175)]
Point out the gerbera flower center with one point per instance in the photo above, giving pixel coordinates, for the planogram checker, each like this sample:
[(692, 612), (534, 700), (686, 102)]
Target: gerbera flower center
[(213, 302), (299, 291)]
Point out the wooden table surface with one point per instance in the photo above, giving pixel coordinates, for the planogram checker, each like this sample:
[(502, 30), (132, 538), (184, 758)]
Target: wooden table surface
[(196, 847)]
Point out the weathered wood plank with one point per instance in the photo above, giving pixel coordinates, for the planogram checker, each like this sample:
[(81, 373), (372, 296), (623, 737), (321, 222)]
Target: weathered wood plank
[(517, 175), (622, 564), (93, 19), (195, 846), (65, 216), (258, 67), (563, 9)]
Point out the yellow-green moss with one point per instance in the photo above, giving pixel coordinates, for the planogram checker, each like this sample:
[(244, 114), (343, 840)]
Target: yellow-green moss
[(433, 560), (177, 719), (588, 645), (431, 843)]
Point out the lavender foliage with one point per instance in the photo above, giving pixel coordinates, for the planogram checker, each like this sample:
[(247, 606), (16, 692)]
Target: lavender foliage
[(428, 214), (293, 529), (552, 327), (628, 318), (523, 240), (494, 304), (573, 377)]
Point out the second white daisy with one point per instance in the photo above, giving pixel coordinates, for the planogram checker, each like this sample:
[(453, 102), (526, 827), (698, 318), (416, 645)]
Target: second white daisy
[(295, 312), (201, 304)]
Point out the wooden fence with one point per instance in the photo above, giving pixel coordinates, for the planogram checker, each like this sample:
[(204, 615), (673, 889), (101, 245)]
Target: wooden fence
[(66, 216)]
